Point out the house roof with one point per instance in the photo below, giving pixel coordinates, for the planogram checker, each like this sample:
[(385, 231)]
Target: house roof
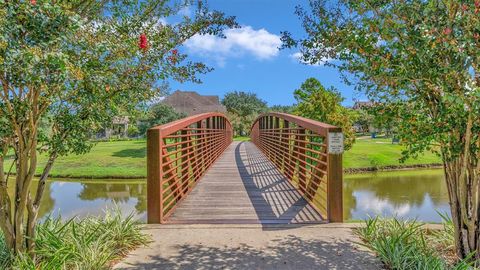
[(362, 104), (191, 103)]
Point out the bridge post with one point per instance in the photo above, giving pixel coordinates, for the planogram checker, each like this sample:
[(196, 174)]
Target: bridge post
[(334, 179), (154, 171)]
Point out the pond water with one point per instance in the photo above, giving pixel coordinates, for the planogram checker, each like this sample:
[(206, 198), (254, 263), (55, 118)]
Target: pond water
[(406, 194)]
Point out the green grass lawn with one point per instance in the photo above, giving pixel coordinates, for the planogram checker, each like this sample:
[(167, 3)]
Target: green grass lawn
[(379, 153), (241, 138), (127, 159), (118, 159)]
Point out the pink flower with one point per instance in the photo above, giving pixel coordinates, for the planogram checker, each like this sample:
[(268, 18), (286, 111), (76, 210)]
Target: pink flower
[(33, 2), (447, 31), (172, 59), (143, 42), (175, 52)]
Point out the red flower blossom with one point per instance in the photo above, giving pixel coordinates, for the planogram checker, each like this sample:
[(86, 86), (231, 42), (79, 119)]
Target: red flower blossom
[(33, 2), (447, 31), (175, 52), (172, 59), (143, 42), (477, 4), (464, 7)]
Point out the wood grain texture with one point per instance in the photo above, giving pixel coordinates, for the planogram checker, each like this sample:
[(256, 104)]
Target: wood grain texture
[(244, 186)]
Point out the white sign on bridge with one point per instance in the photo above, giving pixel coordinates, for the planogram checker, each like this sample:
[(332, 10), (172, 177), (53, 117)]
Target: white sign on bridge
[(335, 143)]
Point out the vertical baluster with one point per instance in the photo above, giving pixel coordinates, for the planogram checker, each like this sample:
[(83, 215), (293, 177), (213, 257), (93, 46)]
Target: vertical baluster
[(200, 146), (302, 181), (285, 144), (185, 161)]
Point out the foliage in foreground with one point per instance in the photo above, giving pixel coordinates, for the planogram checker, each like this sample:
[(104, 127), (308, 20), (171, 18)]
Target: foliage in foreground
[(420, 59), (406, 244), (91, 243), (68, 68)]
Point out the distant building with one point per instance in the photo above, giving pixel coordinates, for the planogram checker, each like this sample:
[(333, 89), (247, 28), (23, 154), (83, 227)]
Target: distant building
[(362, 104), (364, 125), (118, 128), (191, 103)]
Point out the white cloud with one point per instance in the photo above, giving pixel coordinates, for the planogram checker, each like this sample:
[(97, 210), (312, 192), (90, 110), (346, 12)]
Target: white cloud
[(246, 40), (162, 21), (186, 11), (299, 58)]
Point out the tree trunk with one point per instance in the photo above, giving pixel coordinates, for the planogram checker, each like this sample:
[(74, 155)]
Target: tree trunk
[(462, 183), (34, 205), (5, 207)]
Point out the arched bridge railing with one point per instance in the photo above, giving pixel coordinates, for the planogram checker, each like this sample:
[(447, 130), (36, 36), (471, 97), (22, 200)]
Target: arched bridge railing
[(309, 153), (178, 154)]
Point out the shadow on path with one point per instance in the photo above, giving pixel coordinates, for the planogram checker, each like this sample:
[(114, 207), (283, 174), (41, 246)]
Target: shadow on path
[(274, 198), (289, 253)]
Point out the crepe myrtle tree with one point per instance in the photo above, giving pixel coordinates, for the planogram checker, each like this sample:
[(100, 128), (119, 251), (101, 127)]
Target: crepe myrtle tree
[(66, 68), (421, 58)]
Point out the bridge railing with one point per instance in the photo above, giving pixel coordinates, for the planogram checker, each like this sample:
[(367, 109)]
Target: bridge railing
[(178, 154), (309, 153)]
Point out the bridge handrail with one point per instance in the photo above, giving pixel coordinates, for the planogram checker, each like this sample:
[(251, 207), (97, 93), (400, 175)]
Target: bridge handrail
[(178, 154), (299, 147)]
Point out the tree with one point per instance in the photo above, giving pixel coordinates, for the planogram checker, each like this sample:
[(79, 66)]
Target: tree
[(243, 108), (364, 119), (159, 114), (282, 108), (422, 58), (318, 103), (73, 65)]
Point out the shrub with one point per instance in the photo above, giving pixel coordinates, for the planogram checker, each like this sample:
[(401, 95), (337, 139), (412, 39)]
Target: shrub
[(405, 244), (90, 243)]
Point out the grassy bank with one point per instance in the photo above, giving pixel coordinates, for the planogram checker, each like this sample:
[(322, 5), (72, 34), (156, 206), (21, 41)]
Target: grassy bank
[(127, 159), (91, 243), (378, 153)]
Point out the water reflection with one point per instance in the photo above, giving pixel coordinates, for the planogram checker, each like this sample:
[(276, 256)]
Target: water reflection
[(416, 194), (91, 197)]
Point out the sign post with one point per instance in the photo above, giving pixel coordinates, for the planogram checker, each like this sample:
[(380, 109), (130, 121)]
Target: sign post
[(335, 176)]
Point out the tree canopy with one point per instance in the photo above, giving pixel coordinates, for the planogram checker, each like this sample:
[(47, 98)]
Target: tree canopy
[(72, 65), (158, 114), (243, 108), (422, 59), (324, 105)]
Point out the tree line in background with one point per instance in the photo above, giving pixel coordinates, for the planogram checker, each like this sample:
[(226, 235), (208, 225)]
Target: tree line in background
[(313, 101)]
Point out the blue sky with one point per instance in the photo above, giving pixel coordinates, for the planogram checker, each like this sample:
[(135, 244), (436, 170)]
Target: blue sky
[(249, 59)]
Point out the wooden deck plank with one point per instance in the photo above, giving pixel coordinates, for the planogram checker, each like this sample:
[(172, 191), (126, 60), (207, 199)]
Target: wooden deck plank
[(243, 186)]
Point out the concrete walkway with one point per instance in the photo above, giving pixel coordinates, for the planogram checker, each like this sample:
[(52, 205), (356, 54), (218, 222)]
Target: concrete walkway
[(303, 247)]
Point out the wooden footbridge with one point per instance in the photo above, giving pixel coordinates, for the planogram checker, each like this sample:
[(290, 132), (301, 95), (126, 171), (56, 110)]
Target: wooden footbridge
[(290, 171)]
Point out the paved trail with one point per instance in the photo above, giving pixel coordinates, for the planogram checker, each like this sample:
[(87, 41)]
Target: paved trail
[(250, 246)]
